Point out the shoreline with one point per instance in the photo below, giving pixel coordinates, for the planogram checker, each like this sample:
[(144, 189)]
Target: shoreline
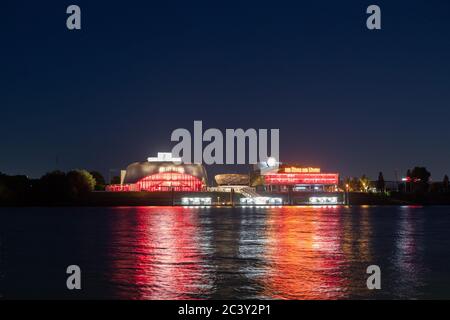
[(223, 199), (225, 206)]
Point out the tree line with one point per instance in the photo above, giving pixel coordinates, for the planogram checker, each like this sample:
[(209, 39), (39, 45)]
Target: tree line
[(52, 188), (59, 187), (417, 180)]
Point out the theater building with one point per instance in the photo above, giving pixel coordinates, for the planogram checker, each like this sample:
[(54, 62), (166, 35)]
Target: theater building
[(287, 177), (161, 173)]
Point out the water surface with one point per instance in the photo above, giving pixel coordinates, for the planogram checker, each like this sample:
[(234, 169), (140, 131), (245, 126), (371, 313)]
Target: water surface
[(225, 253)]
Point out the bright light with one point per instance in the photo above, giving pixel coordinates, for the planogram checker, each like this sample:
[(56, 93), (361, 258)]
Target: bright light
[(323, 200), (164, 157), (195, 201), (261, 200), (272, 162), (171, 169), (301, 170)]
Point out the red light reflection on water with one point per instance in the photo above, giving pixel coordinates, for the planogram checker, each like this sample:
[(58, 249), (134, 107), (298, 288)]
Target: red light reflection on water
[(159, 255), (278, 253), (305, 256)]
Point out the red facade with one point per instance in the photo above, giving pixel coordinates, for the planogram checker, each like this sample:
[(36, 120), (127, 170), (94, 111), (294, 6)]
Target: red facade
[(301, 178), (166, 181)]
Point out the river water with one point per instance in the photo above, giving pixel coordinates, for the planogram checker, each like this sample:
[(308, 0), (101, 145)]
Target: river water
[(225, 253)]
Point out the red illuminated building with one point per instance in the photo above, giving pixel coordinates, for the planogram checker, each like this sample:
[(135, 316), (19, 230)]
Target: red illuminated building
[(297, 178), (165, 173), (162, 173)]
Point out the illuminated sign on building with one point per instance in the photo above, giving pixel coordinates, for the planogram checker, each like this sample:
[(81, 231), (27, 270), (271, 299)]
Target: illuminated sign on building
[(301, 170)]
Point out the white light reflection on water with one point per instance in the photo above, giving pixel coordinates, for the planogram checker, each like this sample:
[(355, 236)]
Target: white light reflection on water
[(228, 253)]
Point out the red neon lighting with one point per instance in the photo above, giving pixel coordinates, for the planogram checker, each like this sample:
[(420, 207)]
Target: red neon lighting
[(121, 187), (168, 181), (301, 178)]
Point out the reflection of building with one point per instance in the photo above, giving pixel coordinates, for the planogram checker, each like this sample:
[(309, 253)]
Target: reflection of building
[(296, 178), (162, 173), (303, 250), (156, 264)]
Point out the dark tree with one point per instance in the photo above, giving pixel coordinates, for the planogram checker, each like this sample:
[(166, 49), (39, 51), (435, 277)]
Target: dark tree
[(346, 182), (364, 183), (445, 184), (355, 184), (99, 180), (14, 189), (408, 181), (420, 178), (81, 182), (380, 182), (115, 180), (53, 187)]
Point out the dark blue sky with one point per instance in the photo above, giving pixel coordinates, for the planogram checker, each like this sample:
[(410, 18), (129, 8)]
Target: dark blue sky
[(344, 98)]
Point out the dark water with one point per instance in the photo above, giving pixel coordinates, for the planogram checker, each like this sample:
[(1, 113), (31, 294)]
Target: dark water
[(194, 253)]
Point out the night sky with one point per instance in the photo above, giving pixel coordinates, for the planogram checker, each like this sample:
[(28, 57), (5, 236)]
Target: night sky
[(344, 98)]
